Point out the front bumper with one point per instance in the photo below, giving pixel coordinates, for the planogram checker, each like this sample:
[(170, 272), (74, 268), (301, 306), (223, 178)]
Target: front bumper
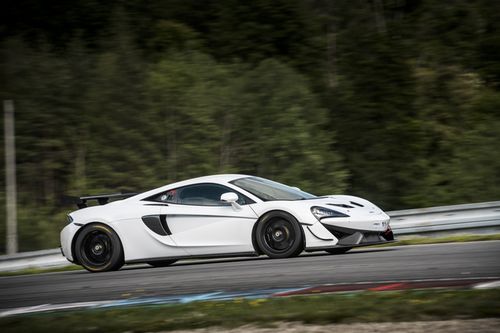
[(347, 238), (351, 237)]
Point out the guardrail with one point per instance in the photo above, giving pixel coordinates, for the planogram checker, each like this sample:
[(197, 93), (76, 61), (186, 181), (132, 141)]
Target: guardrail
[(34, 259), (469, 218)]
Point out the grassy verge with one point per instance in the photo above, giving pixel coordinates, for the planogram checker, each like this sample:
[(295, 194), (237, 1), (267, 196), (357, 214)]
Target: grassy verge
[(29, 271), (412, 240), (337, 308)]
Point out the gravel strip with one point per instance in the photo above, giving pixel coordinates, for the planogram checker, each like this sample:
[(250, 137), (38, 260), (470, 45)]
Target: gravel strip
[(445, 326)]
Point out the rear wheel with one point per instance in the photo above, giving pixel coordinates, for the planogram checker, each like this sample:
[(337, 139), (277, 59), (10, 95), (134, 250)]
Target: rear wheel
[(279, 235), (162, 263), (338, 250), (98, 249)]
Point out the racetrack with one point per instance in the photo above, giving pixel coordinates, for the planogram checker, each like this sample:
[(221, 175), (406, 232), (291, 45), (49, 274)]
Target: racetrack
[(440, 261)]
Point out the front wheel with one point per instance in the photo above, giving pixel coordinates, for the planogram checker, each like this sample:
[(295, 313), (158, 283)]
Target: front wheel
[(98, 249), (338, 250), (279, 235)]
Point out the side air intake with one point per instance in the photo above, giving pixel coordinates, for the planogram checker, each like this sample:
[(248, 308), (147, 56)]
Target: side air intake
[(157, 224)]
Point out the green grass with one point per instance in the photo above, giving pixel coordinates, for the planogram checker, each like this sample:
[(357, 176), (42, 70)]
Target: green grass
[(29, 271), (336, 308), (412, 240)]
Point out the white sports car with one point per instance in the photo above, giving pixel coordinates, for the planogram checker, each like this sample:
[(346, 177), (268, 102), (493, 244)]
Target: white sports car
[(217, 216)]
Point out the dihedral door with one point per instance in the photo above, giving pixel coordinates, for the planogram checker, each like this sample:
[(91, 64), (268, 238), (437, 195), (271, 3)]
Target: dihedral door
[(210, 229)]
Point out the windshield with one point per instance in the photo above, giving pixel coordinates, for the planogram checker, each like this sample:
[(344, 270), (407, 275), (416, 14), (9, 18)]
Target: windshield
[(267, 190)]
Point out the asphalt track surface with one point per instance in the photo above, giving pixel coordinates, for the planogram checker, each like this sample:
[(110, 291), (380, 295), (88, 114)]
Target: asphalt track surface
[(439, 261)]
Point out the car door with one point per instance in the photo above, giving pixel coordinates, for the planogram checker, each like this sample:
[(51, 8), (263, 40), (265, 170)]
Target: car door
[(203, 225), (140, 227)]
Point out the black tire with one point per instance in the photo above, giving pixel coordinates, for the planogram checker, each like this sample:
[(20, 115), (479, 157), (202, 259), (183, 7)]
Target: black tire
[(279, 235), (338, 250), (163, 263), (99, 249)]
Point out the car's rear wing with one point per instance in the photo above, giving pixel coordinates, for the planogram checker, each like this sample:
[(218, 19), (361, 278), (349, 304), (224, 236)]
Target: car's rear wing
[(102, 199)]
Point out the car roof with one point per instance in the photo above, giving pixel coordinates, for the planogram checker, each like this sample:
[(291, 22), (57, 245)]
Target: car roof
[(219, 178), (226, 177)]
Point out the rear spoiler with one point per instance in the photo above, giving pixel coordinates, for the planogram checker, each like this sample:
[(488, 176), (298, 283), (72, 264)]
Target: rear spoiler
[(102, 199)]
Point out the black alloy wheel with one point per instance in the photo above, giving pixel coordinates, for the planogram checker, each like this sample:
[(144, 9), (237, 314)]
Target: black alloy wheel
[(279, 235), (162, 263), (98, 249)]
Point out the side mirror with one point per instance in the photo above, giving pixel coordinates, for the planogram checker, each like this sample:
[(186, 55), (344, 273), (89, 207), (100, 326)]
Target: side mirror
[(232, 198), (229, 197)]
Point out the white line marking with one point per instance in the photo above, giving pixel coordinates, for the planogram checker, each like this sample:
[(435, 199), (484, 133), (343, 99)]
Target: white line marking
[(51, 307), (488, 285)]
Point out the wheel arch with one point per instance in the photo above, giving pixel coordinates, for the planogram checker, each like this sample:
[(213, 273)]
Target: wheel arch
[(274, 211), (80, 230)]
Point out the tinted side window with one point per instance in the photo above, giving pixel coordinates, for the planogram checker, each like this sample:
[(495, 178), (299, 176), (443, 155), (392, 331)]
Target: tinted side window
[(204, 195), (169, 196), (199, 194)]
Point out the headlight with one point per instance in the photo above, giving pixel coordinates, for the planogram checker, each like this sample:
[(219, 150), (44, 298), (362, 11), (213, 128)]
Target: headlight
[(69, 218), (320, 213)]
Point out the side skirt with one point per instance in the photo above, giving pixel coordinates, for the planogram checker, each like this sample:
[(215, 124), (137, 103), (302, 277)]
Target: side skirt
[(207, 256)]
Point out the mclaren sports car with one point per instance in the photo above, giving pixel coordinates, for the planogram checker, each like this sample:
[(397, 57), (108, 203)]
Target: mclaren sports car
[(216, 216)]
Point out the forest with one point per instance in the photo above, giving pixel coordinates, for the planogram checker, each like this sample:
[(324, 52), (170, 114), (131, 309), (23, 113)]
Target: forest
[(397, 101)]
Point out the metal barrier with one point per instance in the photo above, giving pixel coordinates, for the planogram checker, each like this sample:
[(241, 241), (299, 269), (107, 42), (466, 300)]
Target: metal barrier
[(34, 259), (469, 218)]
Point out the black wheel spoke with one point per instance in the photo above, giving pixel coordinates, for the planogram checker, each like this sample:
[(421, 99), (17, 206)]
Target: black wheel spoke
[(279, 235), (97, 248)]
